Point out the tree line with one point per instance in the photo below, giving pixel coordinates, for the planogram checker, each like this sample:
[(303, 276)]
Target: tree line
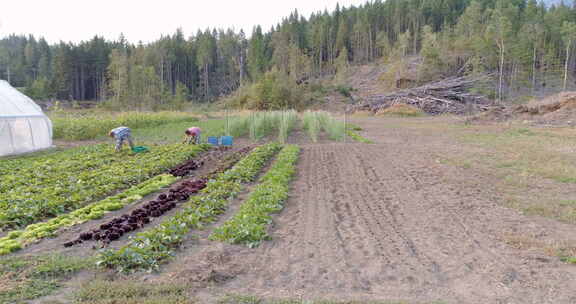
[(526, 44)]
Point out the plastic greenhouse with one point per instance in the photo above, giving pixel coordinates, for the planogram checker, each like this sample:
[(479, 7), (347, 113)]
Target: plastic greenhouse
[(23, 125)]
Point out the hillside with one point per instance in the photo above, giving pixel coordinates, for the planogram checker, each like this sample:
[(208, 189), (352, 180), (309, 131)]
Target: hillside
[(453, 37)]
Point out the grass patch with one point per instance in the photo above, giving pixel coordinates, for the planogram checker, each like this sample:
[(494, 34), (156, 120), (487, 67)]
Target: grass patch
[(401, 110), (82, 125), (245, 299), (357, 137), (461, 163), (564, 250), (518, 159), (561, 210), (174, 132), (25, 278), (354, 127), (521, 132), (569, 260), (131, 292), (528, 152), (568, 203)]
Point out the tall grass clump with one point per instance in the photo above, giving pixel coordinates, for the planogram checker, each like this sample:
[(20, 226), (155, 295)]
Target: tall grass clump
[(312, 125), (287, 121), (333, 127), (262, 124), (317, 121), (91, 125), (238, 126)]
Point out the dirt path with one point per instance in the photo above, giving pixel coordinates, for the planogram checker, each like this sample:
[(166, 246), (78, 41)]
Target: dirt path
[(390, 222)]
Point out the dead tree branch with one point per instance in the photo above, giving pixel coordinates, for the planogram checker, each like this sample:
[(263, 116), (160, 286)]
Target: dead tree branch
[(451, 95)]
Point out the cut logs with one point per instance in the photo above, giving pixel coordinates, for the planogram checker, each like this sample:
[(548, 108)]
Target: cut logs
[(450, 95)]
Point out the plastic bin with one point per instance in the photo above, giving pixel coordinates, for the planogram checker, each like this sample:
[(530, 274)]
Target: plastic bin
[(213, 140), (140, 149), (227, 141)]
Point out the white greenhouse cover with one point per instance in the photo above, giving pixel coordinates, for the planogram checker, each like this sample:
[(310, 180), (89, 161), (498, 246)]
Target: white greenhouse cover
[(23, 125)]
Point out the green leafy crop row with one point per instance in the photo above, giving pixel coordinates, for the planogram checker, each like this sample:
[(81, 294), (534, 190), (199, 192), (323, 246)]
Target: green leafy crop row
[(357, 137), (17, 239), (148, 249), (47, 186), (249, 225)]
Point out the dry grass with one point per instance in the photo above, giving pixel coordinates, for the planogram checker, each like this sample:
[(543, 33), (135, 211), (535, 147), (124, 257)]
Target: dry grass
[(537, 167), (531, 152), (551, 248), (401, 110), (25, 278), (9, 281), (243, 299), (363, 114), (132, 292), (534, 168)]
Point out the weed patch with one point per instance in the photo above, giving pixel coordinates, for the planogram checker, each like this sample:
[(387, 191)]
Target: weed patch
[(131, 292), (25, 278)]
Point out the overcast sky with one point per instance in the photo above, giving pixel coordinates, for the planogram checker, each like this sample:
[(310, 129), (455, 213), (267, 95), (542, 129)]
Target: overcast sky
[(146, 20)]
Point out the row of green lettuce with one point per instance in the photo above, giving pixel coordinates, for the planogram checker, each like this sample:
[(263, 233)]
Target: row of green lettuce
[(148, 249), (47, 186), (357, 137), (250, 224), (18, 239)]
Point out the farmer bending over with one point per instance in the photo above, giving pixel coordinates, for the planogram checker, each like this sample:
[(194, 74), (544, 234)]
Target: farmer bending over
[(121, 134), (192, 135)]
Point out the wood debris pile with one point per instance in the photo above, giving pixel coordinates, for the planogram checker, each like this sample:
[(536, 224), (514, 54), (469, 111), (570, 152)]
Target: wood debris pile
[(449, 95)]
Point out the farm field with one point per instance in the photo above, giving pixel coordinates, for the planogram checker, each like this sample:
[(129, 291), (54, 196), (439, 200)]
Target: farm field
[(83, 125), (44, 187), (433, 211), (399, 220), (295, 152)]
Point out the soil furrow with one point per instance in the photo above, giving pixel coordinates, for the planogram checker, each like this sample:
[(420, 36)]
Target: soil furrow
[(388, 222)]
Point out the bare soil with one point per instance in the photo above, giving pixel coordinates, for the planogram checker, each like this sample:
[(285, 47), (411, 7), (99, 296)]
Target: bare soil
[(388, 221), (555, 110)]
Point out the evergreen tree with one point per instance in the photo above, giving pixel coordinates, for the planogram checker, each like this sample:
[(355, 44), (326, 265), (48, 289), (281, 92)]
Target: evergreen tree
[(257, 54), (568, 35), (524, 41)]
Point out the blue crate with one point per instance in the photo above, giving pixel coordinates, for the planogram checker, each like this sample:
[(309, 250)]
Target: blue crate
[(227, 141), (213, 140)]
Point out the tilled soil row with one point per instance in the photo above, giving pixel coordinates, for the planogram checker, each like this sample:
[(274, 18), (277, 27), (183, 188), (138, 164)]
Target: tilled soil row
[(382, 222)]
